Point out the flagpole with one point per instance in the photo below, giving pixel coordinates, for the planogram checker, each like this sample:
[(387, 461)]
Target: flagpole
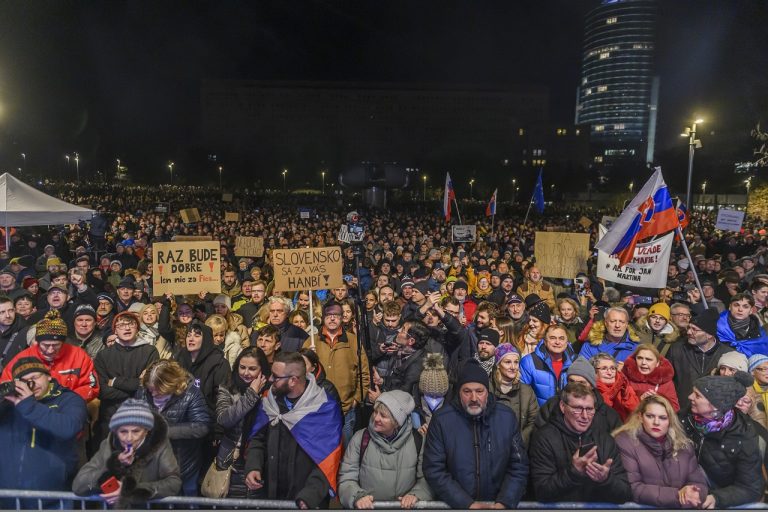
[(690, 262), (493, 222), (458, 214), (530, 203)]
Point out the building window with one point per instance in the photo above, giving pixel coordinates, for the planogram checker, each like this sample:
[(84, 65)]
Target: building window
[(599, 159), (578, 132), (525, 162), (521, 132), (562, 131), (605, 55), (599, 127), (619, 126), (602, 88), (611, 20)]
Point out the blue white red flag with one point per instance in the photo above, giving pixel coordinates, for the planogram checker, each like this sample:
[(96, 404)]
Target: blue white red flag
[(649, 214), (448, 196), (682, 215), (538, 193), (490, 210)]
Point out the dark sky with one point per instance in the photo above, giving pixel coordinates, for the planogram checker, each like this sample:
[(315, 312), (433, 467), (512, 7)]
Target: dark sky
[(121, 79)]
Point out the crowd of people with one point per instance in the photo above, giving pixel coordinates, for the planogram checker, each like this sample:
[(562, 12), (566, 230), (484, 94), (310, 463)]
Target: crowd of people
[(453, 372)]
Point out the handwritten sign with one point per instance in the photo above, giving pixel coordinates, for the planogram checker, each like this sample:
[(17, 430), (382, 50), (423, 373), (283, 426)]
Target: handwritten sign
[(186, 267), (561, 255), (729, 220), (585, 222), (307, 269), (189, 215), (648, 267), (249, 246), (231, 217), (192, 238), (226, 198)]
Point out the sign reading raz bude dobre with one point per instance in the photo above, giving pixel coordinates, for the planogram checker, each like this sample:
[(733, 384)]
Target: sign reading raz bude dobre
[(561, 255), (307, 269), (648, 267), (186, 267)]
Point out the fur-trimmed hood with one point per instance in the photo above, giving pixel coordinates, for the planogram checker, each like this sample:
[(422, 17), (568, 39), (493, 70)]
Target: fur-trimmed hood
[(597, 333), (669, 333)]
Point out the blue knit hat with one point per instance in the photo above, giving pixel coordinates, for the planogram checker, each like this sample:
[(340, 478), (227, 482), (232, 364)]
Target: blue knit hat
[(133, 412), (756, 360)]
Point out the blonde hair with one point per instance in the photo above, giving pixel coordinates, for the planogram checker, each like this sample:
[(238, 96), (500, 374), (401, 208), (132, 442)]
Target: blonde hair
[(217, 323), (167, 377), (634, 423), (497, 370), (650, 348), (144, 310)]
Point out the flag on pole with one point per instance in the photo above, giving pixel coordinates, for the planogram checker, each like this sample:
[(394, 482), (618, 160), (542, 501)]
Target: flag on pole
[(650, 213), (490, 210), (448, 196), (682, 214), (538, 193)]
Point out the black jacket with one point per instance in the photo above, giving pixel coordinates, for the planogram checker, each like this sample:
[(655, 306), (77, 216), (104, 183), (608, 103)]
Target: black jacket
[(606, 418), (13, 340), (457, 345), (553, 475), (210, 368), (404, 374), (731, 459), (690, 363), (67, 312), (292, 338)]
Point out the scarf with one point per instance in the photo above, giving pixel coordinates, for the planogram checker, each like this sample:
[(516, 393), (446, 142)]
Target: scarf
[(487, 364), (706, 426), (740, 327), (762, 393)]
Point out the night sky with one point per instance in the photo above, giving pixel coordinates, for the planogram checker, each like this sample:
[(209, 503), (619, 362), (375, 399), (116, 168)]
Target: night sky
[(121, 79)]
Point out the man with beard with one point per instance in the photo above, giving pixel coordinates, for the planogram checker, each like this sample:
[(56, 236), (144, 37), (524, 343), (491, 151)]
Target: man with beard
[(487, 341), (474, 451), (516, 311), (13, 332), (505, 291), (286, 458), (258, 298), (406, 363)]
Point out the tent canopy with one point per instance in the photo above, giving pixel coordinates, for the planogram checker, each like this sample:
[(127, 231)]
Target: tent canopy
[(24, 205)]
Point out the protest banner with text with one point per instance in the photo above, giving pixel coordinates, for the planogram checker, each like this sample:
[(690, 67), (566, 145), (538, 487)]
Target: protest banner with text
[(186, 267), (561, 255), (648, 268), (249, 246), (307, 269)]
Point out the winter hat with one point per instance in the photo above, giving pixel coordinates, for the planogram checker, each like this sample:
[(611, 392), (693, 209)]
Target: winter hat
[(107, 297), (489, 335), (25, 365), (133, 412), (85, 309), (707, 321), (504, 350), (223, 299), (405, 283), (399, 403), (461, 284), (735, 360), (661, 309), (433, 380), (116, 262), (531, 300), (472, 372), (515, 299), (52, 261), (541, 311), (724, 392), (127, 282), (51, 328), (28, 281), (125, 314), (756, 360), (582, 368), (423, 287), (136, 307)]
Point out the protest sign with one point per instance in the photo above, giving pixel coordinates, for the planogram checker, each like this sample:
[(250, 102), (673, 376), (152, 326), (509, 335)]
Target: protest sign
[(226, 198), (561, 255), (463, 233), (585, 222), (647, 269), (607, 221), (231, 217), (162, 207), (189, 215), (729, 220), (307, 269), (304, 213), (192, 238), (249, 246), (186, 267)]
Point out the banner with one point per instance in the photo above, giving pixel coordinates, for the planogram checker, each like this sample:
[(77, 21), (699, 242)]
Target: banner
[(463, 233), (307, 269), (189, 215), (186, 267), (231, 217), (585, 222), (561, 255), (249, 246), (729, 220), (648, 268)]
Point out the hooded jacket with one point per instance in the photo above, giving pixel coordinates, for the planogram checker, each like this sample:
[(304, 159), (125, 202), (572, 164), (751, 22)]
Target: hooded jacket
[(659, 380), (536, 371), (13, 340), (154, 473), (475, 458), (661, 340), (597, 343), (210, 369)]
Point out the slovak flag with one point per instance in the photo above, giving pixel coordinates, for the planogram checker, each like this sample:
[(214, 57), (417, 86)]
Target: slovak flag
[(448, 196), (650, 213), (490, 210), (682, 214)]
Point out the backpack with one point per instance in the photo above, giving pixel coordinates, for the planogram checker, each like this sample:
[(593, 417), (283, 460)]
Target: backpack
[(417, 440)]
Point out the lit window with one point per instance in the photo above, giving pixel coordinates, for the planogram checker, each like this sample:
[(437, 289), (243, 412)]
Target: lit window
[(587, 92), (599, 127), (584, 81), (619, 126), (611, 20), (562, 131), (525, 162), (599, 159), (578, 132), (605, 55), (521, 132), (602, 88)]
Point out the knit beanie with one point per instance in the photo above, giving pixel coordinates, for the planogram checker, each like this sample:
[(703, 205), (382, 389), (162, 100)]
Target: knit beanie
[(504, 350), (85, 309), (541, 311), (107, 297), (133, 412), (489, 335), (661, 309), (724, 392), (127, 315), (399, 403), (735, 360), (25, 365), (707, 321), (582, 368), (755, 361), (223, 299), (472, 372), (433, 380), (461, 284), (51, 328), (52, 261)]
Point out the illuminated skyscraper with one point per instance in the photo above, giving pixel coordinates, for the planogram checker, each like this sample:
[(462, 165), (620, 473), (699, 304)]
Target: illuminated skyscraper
[(618, 92)]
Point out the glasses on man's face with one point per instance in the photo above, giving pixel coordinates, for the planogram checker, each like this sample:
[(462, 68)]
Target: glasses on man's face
[(579, 411), (682, 315), (124, 324)]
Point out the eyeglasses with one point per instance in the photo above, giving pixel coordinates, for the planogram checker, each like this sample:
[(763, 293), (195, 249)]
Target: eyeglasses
[(761, 369), (682, 315), (606, 368), (589, 411), (126, 323)]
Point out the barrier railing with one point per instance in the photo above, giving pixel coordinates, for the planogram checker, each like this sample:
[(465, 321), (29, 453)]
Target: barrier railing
[(70, 501)]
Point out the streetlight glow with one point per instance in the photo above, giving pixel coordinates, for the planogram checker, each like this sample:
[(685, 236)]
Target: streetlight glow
[(424, 194), (471, 188), (285, 185), (221, 169), (693, 143), (170, 168), (323, 176)]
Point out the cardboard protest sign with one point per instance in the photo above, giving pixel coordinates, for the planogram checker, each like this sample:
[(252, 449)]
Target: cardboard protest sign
[(186, 267), (162, 207), (189, 215), (647, 269), (307, 269), (192, 238), (561, 255), (729, 220), (249, 246), (226, 198), (585, 222), (231, 217), (463, 233)]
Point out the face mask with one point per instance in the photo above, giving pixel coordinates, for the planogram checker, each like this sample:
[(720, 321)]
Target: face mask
[(433, 402)]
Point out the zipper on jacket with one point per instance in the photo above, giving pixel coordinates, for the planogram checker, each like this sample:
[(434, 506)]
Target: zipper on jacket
[(477, 460)]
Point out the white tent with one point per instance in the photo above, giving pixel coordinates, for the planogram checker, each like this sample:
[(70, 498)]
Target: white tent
[(24, 205)]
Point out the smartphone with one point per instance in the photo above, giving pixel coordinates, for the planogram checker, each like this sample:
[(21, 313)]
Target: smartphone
[(583, 449), (110, 485)]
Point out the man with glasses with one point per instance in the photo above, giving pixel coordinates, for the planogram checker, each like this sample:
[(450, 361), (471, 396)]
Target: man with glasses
[(249, 310), (572, 461), (680, 316)]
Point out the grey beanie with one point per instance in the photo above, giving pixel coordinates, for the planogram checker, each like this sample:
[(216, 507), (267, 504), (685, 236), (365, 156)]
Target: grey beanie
[(582, 368), (724, 392), (133, 412), (399, 403)]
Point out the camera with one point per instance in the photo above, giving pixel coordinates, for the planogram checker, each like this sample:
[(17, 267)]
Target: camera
[(7, 388)]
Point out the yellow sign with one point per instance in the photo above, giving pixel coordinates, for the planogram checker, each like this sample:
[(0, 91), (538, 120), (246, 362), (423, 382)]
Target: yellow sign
[(561, 255), (307, 269), (189, 215), (231, 217), (186, 267), (249, 246), (585, 222)]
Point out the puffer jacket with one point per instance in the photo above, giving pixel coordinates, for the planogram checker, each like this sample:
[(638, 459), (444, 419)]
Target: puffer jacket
[(536, 371), (522, 400), (661, 340), (659, 380), (188, 422), (756, 341), (655, 473), (475, 458), (154, 473), (597, 343), (731, 459), (389, 469), (619, 395)]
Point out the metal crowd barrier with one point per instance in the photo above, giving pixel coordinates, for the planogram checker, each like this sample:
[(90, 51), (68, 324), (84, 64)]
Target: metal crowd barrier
[(70, 501)]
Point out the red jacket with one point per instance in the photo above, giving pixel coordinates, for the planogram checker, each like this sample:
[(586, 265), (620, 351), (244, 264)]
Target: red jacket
[(659, 380), (619, 395), (72, 368)]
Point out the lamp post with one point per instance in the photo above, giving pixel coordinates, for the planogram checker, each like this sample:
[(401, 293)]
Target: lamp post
[(285, 183), (170, 168), (748, 184), (693, 143), (424, 193), (221, 169), (631, 186), (703, 192), (77, 166), (514, 190), (66, 157), (24, 162), (471, 188), (323, 176)]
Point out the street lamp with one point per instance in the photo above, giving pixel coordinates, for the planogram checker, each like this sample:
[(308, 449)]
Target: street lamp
[(748, 184), (220, 171), (323, 175), (77, 166), (471, 187), (693, 143), (285, 183), (170, 168), (514, 190), (703, 192), (24, 162), (631, 186), (424, 194)]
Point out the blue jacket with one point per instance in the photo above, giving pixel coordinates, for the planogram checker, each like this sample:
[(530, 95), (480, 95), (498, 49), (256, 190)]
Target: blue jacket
[(536, 371), (620, 351), (757, 343), (38, 440), (456, 440)]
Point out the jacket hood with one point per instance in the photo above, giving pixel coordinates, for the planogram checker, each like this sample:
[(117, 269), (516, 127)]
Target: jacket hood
[(661, 375), (558, 420), (206, 348), (597, 333)]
